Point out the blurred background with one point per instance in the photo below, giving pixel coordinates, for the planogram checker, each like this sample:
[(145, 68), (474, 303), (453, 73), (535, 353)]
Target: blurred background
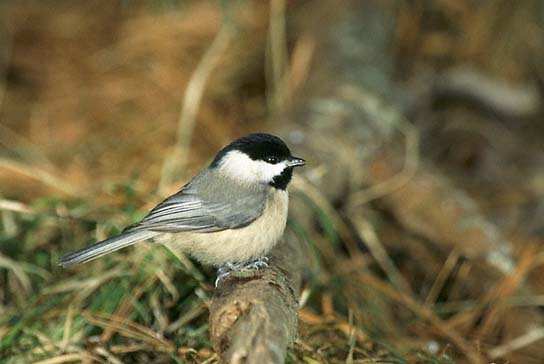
[(421, 205)]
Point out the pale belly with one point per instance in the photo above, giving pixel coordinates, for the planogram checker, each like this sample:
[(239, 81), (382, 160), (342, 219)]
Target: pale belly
[(236, 245)]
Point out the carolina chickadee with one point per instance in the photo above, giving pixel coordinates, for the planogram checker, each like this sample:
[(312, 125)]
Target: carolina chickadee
[(230, 215)]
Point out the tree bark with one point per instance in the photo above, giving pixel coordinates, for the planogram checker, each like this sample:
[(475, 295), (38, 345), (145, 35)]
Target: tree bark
[(254, 319)]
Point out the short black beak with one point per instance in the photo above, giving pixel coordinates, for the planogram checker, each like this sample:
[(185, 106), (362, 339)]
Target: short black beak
[(295, 162)]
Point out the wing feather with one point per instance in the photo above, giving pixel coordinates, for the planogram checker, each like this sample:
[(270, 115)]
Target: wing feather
[(205, 207)]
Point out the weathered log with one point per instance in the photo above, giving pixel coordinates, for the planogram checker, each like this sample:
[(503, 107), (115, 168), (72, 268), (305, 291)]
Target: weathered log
[(254, 319), (353, 131)]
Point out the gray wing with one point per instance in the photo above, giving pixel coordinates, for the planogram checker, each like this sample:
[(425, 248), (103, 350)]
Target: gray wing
[(214, 205)]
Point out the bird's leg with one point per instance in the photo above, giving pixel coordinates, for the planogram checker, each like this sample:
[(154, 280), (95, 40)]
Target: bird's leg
[(241, 270)]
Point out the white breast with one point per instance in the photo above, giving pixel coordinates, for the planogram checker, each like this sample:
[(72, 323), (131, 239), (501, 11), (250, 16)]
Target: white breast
[(237, 245)]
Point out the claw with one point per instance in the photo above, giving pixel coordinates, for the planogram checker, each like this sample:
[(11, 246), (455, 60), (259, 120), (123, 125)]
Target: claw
[(220, 277)]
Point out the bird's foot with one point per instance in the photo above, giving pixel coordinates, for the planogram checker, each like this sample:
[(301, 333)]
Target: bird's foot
[(241, 270), (255, 264)]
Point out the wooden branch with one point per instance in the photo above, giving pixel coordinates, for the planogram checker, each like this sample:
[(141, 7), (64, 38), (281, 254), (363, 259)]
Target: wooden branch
[(254, 319), (352, 135)]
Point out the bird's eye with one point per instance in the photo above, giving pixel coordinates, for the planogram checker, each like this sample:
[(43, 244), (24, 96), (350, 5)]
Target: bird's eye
[(272, 159)]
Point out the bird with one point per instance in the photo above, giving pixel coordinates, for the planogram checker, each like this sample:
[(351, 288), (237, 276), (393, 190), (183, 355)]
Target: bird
[(229, 216)]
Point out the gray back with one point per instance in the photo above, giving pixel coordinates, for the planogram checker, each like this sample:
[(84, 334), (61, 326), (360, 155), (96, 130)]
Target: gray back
[(210, 202)]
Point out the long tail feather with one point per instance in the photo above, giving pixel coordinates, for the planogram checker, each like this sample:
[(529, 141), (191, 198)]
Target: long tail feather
[(105, 247)]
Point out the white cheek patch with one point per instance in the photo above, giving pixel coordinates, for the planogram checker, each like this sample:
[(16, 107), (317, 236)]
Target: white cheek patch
[(239, 166), (269, 171)]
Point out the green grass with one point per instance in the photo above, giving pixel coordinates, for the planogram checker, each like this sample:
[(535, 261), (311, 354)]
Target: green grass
[(145, 285), (143, 303)]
